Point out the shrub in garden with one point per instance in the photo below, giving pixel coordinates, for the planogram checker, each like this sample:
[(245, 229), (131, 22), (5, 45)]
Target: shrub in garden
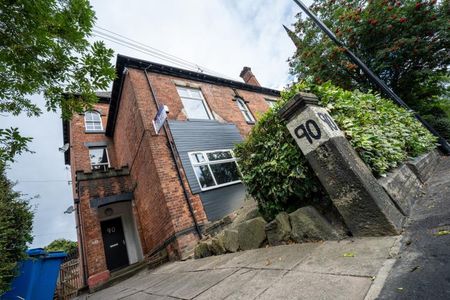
[(16, 222), (277, 174)]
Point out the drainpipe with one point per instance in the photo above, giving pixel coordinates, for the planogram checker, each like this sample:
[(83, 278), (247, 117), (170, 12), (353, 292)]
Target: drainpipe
[(173, 151), (80, 234)]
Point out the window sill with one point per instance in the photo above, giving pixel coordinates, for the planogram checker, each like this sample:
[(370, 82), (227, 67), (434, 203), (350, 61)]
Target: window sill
[(220, 186), (202, 120), (94, 131), (251, 123)]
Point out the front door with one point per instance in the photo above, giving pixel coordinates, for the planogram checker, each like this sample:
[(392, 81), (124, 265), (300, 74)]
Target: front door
[(114, 242)]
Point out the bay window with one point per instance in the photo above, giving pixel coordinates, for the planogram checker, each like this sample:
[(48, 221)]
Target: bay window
[(214, 168)]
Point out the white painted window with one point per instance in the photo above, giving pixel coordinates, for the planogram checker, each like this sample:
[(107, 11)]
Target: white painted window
[(245, 111), (271, 102), (214, 168), (93, 121), (99, 158), (194, 103)]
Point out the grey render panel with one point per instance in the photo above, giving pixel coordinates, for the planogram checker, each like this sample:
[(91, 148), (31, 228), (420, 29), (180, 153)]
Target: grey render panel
[(222, 201), (203, 136)]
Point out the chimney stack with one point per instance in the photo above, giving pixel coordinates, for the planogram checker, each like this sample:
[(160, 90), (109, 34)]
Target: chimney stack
[(248, 76)]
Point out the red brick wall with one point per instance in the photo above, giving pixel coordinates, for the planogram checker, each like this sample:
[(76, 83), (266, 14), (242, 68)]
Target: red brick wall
[(218, 98), (160, 207), (79, 153), (92, 236), (159, 198)]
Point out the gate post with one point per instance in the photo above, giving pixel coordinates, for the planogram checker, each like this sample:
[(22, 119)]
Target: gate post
[(364, 205)]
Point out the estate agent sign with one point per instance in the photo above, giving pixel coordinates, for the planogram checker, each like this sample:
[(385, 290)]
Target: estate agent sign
[(159, 119)]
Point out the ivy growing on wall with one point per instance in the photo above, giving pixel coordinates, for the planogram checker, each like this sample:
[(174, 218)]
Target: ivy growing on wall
[(277, 174)]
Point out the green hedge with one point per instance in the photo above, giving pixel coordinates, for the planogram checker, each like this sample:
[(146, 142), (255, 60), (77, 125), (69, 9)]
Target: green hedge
[(277, 174), (16, 223)]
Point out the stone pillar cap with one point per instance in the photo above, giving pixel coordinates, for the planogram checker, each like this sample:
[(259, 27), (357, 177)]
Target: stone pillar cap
[(297, 104)]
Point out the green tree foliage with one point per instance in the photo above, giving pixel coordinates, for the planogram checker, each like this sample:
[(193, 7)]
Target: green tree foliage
[(44, 49), (277, 174), (406, 43), (16, 221), (70, 247)]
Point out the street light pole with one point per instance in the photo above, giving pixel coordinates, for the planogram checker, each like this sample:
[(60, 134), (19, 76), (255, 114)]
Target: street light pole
[(444, 145)]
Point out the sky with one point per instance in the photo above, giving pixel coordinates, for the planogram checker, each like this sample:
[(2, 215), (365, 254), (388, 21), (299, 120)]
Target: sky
[(221, 35)]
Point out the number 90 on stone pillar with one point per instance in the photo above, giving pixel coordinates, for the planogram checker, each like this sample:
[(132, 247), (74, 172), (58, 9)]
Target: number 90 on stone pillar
[(312, 127)]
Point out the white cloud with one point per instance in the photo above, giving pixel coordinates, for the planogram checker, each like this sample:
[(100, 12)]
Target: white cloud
[(221, 35)]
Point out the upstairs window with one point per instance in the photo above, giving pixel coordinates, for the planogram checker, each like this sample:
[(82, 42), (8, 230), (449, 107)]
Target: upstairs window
[(99, 158), (194, 103), (271, 102), (93, 121), (245, 111), (214, 168)]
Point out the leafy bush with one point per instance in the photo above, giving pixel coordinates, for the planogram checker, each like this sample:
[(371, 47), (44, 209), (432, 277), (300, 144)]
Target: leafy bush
[(70, 247), (16, 221), (441, 124), (277, 174), (437, 114)]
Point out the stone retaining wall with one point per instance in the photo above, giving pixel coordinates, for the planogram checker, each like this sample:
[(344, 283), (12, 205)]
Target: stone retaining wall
[(423, 166), (404, 183)]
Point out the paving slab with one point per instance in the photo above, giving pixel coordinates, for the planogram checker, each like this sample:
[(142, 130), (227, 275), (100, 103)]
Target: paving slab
[(317, 286), (113, 293), (190, 284), (357, 257), (215, 262), (211, 262), (283, 257), (244, 284), (278, 257), (145, 296)]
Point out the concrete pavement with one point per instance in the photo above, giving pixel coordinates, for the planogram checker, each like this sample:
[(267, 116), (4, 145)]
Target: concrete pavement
[(348, 269)]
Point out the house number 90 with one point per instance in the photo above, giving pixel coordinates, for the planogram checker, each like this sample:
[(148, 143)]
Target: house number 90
[(111, 229), (310, 130)]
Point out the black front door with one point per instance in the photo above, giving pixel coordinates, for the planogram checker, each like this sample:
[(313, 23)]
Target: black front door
[(114, 242)]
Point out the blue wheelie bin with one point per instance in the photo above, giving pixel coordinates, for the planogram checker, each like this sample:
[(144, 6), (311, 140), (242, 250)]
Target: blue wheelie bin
[(37, 276)]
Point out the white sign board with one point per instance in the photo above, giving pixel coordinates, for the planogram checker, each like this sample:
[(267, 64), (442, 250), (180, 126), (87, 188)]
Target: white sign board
[(312, 127), (159, 119)]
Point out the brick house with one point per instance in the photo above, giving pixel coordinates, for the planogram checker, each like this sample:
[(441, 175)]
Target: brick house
[(140, 189)]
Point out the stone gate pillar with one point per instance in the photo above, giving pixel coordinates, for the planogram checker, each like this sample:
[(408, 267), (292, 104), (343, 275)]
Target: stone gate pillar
[(364, 205)]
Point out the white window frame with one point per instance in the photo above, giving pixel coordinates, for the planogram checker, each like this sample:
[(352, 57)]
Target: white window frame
[(207, 162), (248, 116), (93, 122), (107, 165), (202, 98), (270, 102)]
